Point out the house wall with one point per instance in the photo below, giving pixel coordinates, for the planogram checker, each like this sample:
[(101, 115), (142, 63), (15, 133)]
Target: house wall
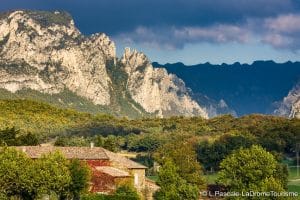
[(97, 163), (102, 183), (140, 173), (138, 178)]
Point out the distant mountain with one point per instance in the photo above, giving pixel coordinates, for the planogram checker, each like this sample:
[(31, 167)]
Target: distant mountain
[(256, 88), (44, 57)]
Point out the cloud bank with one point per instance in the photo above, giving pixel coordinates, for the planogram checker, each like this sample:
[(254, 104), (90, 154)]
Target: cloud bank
[(172, 24)]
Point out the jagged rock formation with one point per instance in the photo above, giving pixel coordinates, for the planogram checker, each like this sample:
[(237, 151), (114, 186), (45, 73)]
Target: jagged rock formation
[(45, 52), (156, 90), (290, 106)]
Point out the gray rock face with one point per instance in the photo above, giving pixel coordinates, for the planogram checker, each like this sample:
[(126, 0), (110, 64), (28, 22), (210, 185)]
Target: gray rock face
[(57, 55), (290, 106), (156, 90), (44, 51)]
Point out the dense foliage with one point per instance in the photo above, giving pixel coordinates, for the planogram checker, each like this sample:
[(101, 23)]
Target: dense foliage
[(123, 192), (185, 147), (24, 178), (183, 155), (173, 186), (80, 177), (251, 169), (213, 139), (13, 137)]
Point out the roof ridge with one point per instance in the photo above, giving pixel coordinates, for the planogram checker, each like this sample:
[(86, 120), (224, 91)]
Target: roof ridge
[(104, 150)]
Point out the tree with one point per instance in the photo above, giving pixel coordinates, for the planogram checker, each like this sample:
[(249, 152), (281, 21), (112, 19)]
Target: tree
[(99, 141), (80, 176), (24, 178), (112, 143), (14, 137), (28, 140), (172, 186), (14, 177), (183, 155), (8, 136), (252, 169), (126, 192), (53, 174), (211, 154)]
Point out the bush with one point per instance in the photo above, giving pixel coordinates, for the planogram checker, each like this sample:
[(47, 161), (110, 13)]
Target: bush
[(122, 193)]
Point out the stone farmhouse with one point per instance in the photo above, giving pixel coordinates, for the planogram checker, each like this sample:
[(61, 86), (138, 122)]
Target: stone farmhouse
[(108, 169)]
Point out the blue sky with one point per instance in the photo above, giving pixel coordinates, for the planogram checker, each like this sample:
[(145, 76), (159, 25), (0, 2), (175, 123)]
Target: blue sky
[(188, 31)]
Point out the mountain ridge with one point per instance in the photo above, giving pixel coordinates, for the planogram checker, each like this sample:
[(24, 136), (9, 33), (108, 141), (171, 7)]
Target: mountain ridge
[(256, 88), (44, 52)]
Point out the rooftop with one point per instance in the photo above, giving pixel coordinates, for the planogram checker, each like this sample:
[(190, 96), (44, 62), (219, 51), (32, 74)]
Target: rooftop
[(113, 171), (81, 153)]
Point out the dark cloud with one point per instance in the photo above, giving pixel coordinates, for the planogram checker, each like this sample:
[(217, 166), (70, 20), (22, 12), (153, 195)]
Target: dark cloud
[(174, 23), (117, 16)]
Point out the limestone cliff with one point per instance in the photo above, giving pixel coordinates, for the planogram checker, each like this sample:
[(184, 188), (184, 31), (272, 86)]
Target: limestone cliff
[(156, 90), (45, 52), (290, 106)]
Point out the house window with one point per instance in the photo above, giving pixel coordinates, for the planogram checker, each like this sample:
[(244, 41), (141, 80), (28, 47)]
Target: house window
[(136, 179)]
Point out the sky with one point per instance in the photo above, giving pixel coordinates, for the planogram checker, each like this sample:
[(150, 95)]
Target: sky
[(188, 31)]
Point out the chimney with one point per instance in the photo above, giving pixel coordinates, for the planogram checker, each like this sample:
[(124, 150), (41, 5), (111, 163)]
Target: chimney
[(92, 145)]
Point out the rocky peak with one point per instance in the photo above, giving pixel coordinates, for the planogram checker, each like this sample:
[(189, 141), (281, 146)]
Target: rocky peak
[(45, 52), (134, 60), (290, 106), (155, 89), (59, 55)]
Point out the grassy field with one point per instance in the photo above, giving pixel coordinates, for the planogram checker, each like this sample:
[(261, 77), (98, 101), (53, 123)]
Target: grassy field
[(294, 180), (211, 178)]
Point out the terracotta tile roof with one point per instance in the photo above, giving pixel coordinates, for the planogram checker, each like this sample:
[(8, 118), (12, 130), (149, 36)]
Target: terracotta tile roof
[(112, 171), (124, 161), (82, 153)]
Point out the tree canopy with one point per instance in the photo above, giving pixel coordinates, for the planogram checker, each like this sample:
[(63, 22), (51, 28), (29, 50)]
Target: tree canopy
[(25, 178), (251, 169)]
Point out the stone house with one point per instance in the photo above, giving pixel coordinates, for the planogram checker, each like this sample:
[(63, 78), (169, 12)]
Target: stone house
[(108, 168)]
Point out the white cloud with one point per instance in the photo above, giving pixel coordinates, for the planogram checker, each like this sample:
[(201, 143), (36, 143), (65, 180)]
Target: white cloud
[(283, 32), (284, 24), (280, 32), (174, 37)]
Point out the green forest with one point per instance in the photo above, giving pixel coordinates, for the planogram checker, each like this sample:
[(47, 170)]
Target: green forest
[(195, 154)]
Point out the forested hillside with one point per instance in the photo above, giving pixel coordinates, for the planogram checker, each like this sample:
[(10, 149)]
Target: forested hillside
[(47, 122), (172, 142)]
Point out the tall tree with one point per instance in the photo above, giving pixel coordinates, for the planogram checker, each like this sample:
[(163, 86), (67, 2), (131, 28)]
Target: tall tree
[(182, 153), (80, 177), (252, 169), (14, 168), (172, 186), (53, 174)]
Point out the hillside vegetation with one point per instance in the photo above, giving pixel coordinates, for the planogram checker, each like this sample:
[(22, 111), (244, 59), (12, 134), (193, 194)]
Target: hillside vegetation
[(275, 133), (189, 147)]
